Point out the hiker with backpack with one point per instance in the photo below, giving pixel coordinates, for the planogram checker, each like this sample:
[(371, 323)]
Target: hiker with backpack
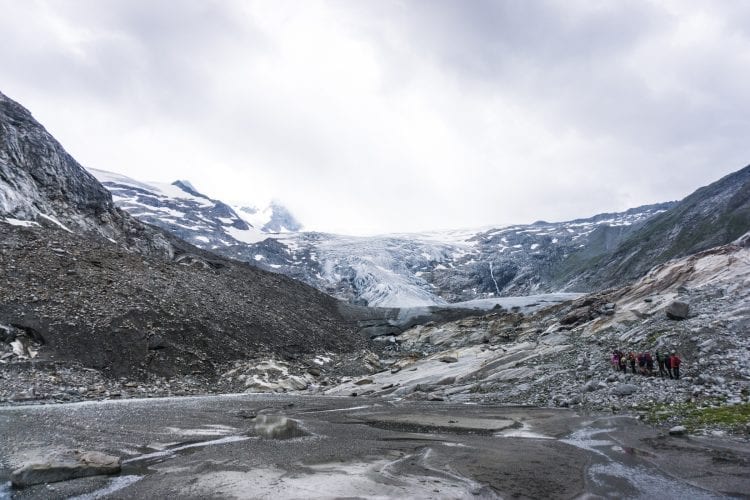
[(668, 365), (660, 358), (675, 362), (616, 360), (649, 363)]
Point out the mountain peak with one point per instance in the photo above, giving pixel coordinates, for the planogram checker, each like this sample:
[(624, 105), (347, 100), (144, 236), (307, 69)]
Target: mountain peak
[(274, 218), (188, 188)]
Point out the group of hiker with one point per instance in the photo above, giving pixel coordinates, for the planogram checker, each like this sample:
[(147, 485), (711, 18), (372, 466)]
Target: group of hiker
[(643, 363)]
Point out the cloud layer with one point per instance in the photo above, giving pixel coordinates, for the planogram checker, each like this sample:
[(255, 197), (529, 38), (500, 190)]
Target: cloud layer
[(384, 116)]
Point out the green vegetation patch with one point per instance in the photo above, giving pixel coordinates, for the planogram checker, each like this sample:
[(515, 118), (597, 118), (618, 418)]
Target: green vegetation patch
[(651, 340), (733, 418)]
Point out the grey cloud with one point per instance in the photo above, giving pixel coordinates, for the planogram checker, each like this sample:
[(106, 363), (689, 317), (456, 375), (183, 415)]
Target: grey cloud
[(577, 69)]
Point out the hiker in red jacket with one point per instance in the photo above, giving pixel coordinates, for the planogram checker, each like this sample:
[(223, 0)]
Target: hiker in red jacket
[(674, 362), (649, 363), (668, 364)]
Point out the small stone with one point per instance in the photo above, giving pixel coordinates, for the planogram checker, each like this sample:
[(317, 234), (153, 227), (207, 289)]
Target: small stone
[(364, 381), (624, 389), (446, 381), (449, 358)]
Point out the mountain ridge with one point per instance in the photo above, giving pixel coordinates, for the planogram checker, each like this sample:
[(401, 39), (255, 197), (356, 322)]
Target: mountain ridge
[(399, 270), (82, 281), (713, 215)]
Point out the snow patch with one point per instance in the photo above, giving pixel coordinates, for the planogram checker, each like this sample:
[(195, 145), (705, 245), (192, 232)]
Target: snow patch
[(55, 221), (18, 222), (249, 236)]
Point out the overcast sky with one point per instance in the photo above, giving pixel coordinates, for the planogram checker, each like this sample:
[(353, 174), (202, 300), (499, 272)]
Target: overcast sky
[(389, 116)]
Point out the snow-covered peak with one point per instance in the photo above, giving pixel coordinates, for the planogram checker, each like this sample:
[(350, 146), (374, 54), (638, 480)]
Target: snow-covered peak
[(181, 209), (193, 216), (180, 190), (274, 218)]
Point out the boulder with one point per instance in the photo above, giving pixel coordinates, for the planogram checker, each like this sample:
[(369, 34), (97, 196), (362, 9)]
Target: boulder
[(576, 316), (624, 389), (364, 381), (71, 465), (449, 358), (277, 427), (293, 383), (590, 386), (678, 430), (678, 310)]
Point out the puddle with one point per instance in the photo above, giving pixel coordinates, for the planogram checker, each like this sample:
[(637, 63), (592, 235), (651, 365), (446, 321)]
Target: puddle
[(5, 490), (524, 432), (427, 424), (207, 430), (646, 483), (617, 470), (158, 456), (584, 439), (375, 479), (338, 409), (114, 485)]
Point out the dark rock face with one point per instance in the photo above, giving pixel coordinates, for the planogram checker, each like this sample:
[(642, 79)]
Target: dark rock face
[(678, 310), (39, 176), (40, 183)]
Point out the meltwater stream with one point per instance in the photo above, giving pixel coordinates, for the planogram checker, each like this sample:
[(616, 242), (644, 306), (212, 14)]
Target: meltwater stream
[(616, 474)]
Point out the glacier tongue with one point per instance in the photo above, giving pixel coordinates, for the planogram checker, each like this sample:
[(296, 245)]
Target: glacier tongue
[(399, 270)]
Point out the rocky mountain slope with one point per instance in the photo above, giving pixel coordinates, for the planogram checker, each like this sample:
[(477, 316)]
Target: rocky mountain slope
[(42, 185), (560, 356), (713, 215), (87, 300), (400, 270), (192, 216), (84, 284)]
